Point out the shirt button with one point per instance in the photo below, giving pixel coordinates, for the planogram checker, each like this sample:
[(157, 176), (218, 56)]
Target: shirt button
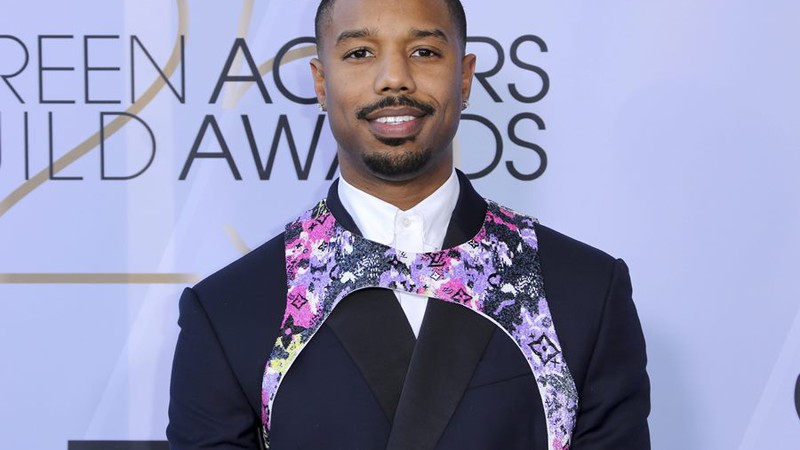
[(406, 222)]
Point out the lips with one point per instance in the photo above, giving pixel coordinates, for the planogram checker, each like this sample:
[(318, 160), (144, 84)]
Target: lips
[(394, 120), (396, 123)]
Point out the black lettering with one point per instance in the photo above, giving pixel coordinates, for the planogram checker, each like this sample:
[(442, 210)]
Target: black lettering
[(195, 153), (182, 96), (483, 77), (43, 68), (254, 77), (117, 445), (103, 146), (5, 77), (797, 396), (276, 71), (87, 68), (512, 88), (283, 127), (498, 150), (512, 134), (53, 170), (26, 145), (333, 168)]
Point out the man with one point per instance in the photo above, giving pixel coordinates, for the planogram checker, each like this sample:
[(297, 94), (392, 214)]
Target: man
[(529, 339)]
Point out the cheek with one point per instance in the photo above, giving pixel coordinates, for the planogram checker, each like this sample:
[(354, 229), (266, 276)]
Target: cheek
[(343, 125), (446, 92), (339, 126), (346, 87)]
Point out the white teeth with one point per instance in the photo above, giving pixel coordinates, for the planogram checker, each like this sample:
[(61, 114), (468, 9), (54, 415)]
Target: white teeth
[(394, 119)]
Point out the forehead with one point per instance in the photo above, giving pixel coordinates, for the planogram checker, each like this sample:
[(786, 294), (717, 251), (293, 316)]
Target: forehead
[(388, 17)]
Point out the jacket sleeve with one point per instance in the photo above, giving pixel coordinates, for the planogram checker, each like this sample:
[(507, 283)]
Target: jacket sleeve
[(615, 398), (208, 408)]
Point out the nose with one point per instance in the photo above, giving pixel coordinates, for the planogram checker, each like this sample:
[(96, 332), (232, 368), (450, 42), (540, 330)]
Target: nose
[(394, 75)]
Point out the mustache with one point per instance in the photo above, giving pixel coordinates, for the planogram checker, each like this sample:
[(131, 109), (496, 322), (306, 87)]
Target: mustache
[(386, 102)]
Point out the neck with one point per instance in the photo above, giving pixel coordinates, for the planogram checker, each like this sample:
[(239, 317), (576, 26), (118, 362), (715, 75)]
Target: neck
[(404, 194)]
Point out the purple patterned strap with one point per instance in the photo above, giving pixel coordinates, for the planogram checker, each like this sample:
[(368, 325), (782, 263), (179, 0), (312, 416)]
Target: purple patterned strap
[(496, 274)]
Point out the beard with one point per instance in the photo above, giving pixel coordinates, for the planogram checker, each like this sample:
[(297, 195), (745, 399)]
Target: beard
[(390, 165), (396, 164)]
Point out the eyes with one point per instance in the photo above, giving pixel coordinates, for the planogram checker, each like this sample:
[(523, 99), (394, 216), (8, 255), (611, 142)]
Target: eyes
[(364, 53), (359, 53), (424, 53)]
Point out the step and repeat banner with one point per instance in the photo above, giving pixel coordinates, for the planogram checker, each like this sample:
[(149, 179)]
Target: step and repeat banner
[(146, 144)]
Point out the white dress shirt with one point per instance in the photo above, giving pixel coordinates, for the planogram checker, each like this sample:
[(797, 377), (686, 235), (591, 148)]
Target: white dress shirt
[(419, 229)]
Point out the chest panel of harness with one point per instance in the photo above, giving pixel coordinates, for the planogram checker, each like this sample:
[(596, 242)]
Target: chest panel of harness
[(495, 274)]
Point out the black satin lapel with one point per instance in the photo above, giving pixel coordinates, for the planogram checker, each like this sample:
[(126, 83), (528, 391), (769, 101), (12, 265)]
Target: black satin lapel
[(373, 329), (451, 342), (468, 215), (339, 212)]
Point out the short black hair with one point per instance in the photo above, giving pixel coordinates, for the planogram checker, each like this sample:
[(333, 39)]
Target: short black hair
[(325, 7)]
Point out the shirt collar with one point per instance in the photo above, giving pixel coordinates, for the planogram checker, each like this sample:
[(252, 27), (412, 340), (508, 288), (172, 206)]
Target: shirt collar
[(375, 218)]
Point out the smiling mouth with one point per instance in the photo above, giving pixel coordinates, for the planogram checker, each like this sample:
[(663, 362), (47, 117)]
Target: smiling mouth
[(401, 126), (395, 119)]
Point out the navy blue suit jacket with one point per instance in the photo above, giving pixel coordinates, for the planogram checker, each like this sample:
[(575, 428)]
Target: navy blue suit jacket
[(364, 381)]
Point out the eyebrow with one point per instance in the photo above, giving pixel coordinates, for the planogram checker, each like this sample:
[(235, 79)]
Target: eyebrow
[(434, 32), (368, 32), (354, 34)]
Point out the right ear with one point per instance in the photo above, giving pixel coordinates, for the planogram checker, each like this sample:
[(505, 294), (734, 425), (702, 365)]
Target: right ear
[(318, 73)]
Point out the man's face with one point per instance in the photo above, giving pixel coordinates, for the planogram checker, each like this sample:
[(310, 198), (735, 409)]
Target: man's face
[(392, 76)]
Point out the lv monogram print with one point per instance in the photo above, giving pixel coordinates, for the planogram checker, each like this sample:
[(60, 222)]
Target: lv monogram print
[(496, 274)]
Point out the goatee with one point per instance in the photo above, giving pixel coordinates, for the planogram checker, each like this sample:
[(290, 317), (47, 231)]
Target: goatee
[(397, 165)]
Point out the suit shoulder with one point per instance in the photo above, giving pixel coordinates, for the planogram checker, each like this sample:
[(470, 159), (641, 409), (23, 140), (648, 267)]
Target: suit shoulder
[(576, 275), (563, 248), (262, 264), (244, 303), (578, 280), (249, 292)]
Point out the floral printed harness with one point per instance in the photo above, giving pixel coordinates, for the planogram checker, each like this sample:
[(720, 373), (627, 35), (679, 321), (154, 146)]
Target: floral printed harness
[(496, 274)]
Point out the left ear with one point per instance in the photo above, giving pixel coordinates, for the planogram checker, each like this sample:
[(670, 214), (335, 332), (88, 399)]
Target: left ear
[(318, 73), (467, 73)]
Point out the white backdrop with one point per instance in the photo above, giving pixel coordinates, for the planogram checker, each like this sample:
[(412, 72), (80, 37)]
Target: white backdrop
[(670, 130)]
